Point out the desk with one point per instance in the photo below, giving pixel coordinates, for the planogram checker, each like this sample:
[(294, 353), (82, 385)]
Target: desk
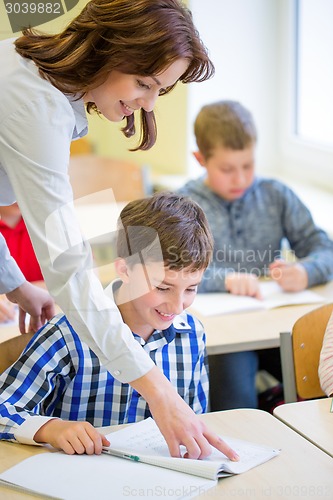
[(311, 419), (255, 330), (301, 470), (9, 331)]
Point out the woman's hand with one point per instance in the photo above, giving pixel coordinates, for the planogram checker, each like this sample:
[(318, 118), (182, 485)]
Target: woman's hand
[(176, 420), (35, 301)]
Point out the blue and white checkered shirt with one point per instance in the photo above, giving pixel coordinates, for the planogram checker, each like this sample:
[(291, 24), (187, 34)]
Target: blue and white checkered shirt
[(57, 375)]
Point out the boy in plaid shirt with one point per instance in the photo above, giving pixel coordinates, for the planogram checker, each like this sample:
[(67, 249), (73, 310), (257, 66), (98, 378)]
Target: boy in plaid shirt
[(57, 391)]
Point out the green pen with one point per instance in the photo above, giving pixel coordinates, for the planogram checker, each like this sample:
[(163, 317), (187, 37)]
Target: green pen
[(121, 454)]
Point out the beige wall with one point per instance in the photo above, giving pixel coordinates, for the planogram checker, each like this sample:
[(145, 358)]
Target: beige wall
[(168, 156)]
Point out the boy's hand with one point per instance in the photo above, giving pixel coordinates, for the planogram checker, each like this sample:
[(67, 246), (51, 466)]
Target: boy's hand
[(7, 309), (72, 437), (292, 277), (176, 420), (243, 284)]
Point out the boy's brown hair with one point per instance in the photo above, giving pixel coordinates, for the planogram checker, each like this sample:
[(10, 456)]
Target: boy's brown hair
[(225, 124), (165, 226)]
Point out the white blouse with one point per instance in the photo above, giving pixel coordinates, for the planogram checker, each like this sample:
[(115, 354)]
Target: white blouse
[(37, 125)]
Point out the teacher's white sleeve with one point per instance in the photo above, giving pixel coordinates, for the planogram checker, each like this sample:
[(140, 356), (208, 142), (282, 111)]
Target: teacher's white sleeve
[(34, 144)]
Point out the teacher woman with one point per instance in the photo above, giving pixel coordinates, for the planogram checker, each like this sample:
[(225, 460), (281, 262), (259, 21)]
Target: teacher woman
[(115, 58)]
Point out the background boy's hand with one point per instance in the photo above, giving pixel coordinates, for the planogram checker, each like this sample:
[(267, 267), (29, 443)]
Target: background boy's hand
[(292, 277), (72, 437), (243, 284), (7, 309)]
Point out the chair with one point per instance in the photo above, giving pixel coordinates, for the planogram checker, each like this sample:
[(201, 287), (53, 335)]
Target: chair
[(11, 349), (300, 352), (97, 175), (81, 147), (91, 174)]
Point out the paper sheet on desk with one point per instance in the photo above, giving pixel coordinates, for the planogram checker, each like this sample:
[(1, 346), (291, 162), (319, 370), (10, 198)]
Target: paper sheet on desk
[(210, 304), (83, 477)]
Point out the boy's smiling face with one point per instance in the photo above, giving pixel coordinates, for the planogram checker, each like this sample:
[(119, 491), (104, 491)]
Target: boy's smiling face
[(229, 172), (168, 293)]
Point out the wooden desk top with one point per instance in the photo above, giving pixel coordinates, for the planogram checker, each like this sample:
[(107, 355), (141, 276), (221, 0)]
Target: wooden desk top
[(255, 329), (312, 419), (301, 470), (8, 331)]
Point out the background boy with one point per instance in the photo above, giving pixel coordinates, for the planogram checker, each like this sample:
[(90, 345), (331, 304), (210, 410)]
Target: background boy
[(249, 217), (164, 246)]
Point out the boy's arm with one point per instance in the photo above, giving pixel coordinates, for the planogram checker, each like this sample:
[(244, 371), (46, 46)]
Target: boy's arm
[(310, 244), (26, 384), (72, 437)]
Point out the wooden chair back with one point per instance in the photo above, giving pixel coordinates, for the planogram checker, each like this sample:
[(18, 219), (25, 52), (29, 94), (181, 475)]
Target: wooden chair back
[(307, 338), (81, 147), (91, 174), (11, 349)]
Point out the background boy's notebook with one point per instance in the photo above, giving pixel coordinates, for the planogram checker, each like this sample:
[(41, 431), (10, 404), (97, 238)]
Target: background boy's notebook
[(81, 477), (209, 304)]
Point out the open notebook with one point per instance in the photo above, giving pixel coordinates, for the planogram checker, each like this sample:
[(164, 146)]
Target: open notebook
[(137, 464), (210, 304), (143, 442)]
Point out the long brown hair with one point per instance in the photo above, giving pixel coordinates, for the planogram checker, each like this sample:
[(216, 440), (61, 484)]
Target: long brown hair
[(140, 37)]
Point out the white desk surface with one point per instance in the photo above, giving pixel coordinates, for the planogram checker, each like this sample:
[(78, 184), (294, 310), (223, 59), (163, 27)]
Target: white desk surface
[(311, 419), (301, 470), (257, 329)]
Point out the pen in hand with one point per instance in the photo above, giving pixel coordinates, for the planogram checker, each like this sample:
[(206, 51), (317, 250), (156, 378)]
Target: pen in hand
[(121, 454)]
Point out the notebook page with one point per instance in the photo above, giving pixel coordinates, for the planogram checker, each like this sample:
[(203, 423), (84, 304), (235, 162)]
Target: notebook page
[(145, 440), (210, 304), (274, 296), (86, 477)]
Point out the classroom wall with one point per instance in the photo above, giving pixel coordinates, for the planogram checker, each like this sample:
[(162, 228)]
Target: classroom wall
[(241, 36)]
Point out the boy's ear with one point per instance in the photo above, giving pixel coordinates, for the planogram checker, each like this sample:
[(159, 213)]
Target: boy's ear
[(200, 158), (121, 268)]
